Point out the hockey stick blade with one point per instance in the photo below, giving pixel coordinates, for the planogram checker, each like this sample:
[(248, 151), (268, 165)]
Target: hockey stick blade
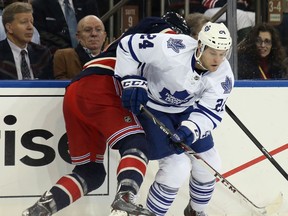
[(256, 142), (265, 210), (273, 207)]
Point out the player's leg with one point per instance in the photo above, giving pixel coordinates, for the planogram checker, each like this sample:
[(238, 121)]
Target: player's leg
[(202, 182), (168, 180), (172, 173), (88, 174), (121, 130), (69, 188), (130, 173), (126, 135)]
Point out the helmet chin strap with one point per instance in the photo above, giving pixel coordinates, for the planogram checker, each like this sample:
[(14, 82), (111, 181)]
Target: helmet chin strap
[(201, 50), (201, 65)]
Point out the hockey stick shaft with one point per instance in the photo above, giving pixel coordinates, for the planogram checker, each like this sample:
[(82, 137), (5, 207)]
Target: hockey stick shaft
[(256, 142), (193, 156)]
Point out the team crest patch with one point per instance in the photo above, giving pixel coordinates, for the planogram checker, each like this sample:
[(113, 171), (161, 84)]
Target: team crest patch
[(175, 44), (178, 98), (127, 119), (207, 28), (227, 85)]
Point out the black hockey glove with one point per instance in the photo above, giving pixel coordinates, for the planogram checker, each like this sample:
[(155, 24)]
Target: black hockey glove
[(187, 133), (134, 93)]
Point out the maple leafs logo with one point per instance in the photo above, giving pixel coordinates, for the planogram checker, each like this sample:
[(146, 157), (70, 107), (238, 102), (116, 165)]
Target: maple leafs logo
[(175, 44), (178, 98), (227, 85)]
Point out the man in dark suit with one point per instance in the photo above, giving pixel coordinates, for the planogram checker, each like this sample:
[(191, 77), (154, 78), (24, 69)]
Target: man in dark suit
[(49, 17), (19, 57)]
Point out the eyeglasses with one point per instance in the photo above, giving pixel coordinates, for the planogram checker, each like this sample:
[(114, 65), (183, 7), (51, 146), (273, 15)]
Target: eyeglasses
[(266, 42)]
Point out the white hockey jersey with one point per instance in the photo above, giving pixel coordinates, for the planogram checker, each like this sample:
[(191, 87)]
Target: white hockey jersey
[(167, 62)]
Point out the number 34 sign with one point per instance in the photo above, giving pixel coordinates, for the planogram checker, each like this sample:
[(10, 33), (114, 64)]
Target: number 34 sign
[(275, 11)]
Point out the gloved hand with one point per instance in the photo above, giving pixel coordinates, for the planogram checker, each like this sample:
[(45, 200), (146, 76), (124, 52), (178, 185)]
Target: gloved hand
[(187, 133), (134, 93)]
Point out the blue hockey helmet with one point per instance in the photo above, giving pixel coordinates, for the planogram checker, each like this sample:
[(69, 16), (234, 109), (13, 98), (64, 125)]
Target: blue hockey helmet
[(177, 22)]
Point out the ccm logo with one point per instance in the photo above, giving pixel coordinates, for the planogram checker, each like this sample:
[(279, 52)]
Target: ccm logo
[(134, 83)]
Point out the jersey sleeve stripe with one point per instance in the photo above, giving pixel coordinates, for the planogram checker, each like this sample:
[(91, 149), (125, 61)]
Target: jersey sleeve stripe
[(206, 115), (131, 49), (209, 112)]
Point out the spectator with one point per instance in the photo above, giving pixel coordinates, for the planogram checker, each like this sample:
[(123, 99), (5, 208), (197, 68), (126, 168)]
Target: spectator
[(51, 23), (245, 20), (91, 35), (19, 57), (36, 36), (245, 14), (261, 54), (241, 4), (195, 22)]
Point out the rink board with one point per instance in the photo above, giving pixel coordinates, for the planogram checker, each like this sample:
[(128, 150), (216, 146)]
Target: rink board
[(34, 151)]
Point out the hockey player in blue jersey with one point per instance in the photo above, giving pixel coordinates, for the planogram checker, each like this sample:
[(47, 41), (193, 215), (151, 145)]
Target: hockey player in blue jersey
[(185, 83)]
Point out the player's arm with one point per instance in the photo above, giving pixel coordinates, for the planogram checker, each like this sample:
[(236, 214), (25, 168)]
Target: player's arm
[(210, 109), (133, 54)]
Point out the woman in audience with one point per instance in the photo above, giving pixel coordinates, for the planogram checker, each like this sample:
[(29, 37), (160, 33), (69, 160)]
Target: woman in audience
[(261, 54)]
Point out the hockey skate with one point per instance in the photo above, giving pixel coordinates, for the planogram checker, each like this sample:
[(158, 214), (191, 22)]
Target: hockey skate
[(188, 211), (124, 203), (45, 206)]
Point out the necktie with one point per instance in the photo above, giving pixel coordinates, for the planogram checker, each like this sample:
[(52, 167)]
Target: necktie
[(24, 66), (71, 22)]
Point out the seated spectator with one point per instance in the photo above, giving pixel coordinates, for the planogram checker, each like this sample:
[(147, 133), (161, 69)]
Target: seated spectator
[(246, 5), (245, 21), (245, 14), (19, 57), (91, 35), (195, 22), (57, 31), (261, 54), (36, 36)]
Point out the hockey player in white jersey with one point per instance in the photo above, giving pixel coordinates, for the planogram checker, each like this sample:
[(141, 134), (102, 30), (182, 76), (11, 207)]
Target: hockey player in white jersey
[(185, 83)]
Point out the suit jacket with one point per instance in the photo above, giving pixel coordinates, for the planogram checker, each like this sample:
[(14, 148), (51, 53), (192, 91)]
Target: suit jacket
[(51, 24), (39, 56), (67, 63)]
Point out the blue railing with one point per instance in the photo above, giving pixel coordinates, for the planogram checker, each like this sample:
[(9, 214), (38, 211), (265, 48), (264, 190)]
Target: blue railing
[(64, 83)]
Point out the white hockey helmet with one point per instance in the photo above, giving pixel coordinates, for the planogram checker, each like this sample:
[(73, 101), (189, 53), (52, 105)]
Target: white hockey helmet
[(216, 36)]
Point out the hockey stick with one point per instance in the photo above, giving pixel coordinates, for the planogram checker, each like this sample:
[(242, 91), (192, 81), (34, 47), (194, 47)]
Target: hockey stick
[(256, 142), (265, 210)]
